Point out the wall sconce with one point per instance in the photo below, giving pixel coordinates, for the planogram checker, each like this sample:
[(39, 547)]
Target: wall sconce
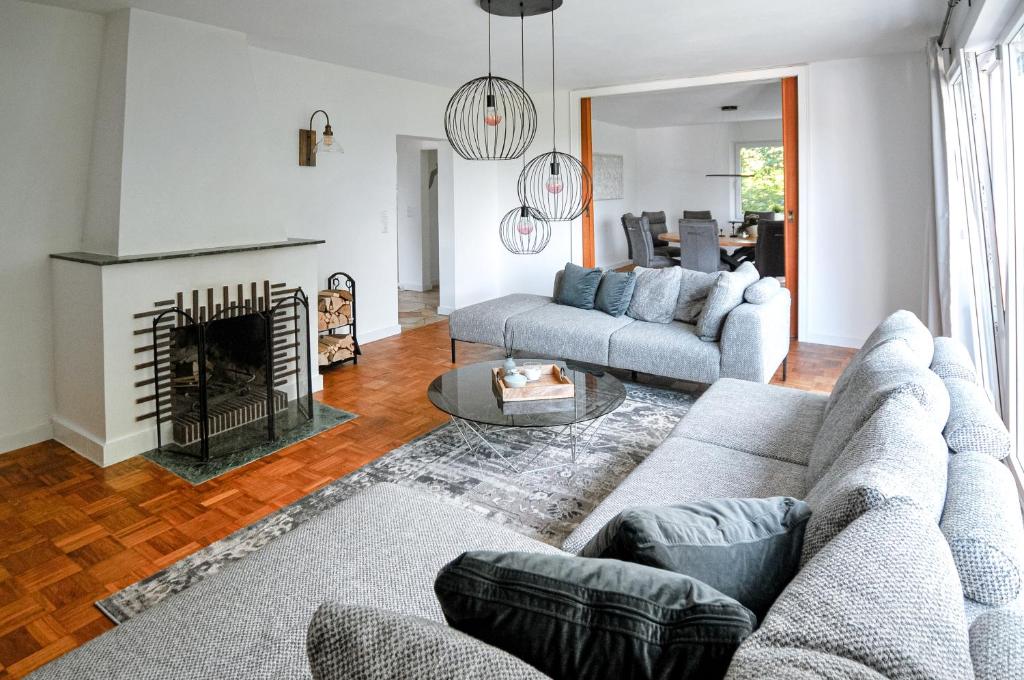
[(309, 147)]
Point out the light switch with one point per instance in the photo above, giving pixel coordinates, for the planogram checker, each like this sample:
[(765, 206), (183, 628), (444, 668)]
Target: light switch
[(384, 221)]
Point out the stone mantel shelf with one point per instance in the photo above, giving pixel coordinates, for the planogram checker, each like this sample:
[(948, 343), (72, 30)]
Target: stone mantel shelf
[(103, 260)]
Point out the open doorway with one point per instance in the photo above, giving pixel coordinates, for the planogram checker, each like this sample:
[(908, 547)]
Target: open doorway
[(418, 213), (725, 153)]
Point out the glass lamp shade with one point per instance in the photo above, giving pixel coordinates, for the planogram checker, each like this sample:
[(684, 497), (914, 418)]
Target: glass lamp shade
[(524, 231), (328, 144), (556, 185), (490, 118)]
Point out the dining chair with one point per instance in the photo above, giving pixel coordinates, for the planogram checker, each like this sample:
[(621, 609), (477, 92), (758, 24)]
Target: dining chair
[(698, 243), (638, 231), (625, 231), (770, 251), (659, 226), (697, 215)]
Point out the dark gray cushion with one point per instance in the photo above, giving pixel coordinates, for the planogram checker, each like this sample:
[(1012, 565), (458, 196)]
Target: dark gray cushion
[(974, 425), (578, 287), (951, 360), (997, 645), (693, 293), (725, 296), (982, 523), (881, 600), (655, 294), (762, 291), (345, 642), (615, 292), (572, 617), (748, 549)]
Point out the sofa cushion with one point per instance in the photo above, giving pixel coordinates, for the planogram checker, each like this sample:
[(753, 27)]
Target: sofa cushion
[(564, 332), (764, 420), (951, 360), (350, 641), (682, 471), (974, 425), (655, 294), (997, 645), (668, 349), (982, 523), (578, 287), (881, 599), (615, 292), (725, 296), (485, 322), (249, 620), (746, 548), (897, 453), (694, 288), (902, 326), (888, 370), (582, 618), (762, 291)]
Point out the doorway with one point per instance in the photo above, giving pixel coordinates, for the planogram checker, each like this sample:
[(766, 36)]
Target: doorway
[(418, 216)]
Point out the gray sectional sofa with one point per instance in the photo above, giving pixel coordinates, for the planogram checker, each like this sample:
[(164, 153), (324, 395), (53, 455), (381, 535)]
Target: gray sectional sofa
[(754, 341), (912, 509)]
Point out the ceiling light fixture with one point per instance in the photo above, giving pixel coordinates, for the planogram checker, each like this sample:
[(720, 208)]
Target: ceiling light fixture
[(490, 118), (309, 148), (555, 184)]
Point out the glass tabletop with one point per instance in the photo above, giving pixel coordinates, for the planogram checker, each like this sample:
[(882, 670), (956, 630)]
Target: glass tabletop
[(469, 393)]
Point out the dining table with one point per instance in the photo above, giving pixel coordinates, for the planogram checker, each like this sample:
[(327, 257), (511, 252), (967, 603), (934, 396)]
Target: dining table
[(723, 241)]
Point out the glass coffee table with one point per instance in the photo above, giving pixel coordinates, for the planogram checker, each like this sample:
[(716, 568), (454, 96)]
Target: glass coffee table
[(468, 395)]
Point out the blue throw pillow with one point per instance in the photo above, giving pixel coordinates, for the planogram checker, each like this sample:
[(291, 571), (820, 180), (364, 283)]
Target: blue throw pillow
[(571, 617), (615, 292), (748, 549), (579, 286)]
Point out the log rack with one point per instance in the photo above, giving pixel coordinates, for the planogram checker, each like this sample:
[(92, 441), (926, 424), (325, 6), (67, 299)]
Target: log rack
[(338, 343)]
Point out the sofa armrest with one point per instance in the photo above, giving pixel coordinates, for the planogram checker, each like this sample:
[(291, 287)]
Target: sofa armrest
[(755, 339)]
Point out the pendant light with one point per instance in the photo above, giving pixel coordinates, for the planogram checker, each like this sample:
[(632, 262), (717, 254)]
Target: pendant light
[(490, 118), (524, 231), (555, 184)]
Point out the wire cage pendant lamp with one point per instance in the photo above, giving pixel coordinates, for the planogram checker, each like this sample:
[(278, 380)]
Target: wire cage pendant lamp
[(490, 118), (523, 230), (555, 184)]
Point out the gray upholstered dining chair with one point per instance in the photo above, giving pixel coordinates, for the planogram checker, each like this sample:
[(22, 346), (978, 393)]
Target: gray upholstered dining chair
[(638, 231), (770, 251), (659, 226), (698, 243), (697, 215)]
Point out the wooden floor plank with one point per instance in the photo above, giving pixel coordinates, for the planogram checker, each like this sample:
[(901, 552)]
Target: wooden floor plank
[(75, 532)]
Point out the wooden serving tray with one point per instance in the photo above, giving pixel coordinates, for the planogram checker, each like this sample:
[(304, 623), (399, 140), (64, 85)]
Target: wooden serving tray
[(553, 384)]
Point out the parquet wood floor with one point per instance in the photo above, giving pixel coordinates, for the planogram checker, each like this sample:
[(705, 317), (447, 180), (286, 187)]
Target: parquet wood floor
[(73, 532)]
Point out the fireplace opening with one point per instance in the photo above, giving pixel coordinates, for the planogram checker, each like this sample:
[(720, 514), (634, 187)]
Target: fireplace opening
[(234, 381)]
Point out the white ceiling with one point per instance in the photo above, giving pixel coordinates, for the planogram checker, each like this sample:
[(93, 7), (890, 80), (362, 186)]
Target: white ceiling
[(600, 42), (692, 106)]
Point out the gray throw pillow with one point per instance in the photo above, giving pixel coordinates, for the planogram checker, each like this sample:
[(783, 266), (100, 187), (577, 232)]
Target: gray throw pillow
[(748, 549), (951, 360), (578, 287), (973, 423), (655, 294), (615, 292), (693, 293), (572, 617), (725, 296), (762, 291), (981, 522), (350, 641)]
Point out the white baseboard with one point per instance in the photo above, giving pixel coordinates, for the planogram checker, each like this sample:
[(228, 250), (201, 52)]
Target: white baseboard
[(418, 287), (444, 311), (33, 435), (833, 340), (617, 265), (379, 334), (78, 440)]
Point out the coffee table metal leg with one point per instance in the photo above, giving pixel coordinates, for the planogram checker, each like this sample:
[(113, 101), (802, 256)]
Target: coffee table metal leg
[(579, 439)]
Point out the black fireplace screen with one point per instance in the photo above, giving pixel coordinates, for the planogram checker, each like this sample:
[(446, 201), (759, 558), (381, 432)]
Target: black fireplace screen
[(236, 380)]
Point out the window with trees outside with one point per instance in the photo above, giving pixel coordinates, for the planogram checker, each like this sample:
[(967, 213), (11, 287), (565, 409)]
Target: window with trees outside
[(763, 189)]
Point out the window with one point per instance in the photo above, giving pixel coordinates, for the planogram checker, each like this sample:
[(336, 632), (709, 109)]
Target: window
[(1014, 65), (763, 191)]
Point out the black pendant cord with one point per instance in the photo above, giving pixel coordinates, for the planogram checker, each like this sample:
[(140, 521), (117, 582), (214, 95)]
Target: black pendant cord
[(489, 71), (522, 53), (554, 134)]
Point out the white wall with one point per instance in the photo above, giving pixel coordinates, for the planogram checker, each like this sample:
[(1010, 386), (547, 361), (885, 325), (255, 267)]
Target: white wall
[(50, 69), (866, 217), (410, 214), (672, 164), (610, 248)]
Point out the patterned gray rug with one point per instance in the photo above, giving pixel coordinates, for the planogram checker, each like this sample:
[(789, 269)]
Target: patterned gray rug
[(546, 505)]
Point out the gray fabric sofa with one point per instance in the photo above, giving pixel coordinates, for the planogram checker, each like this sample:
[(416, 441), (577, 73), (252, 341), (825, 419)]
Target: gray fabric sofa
[(753, 344), (880, 593)]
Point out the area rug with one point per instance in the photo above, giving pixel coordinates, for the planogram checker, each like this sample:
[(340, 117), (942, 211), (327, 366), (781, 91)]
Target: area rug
[(195, 472), (546, 505)]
